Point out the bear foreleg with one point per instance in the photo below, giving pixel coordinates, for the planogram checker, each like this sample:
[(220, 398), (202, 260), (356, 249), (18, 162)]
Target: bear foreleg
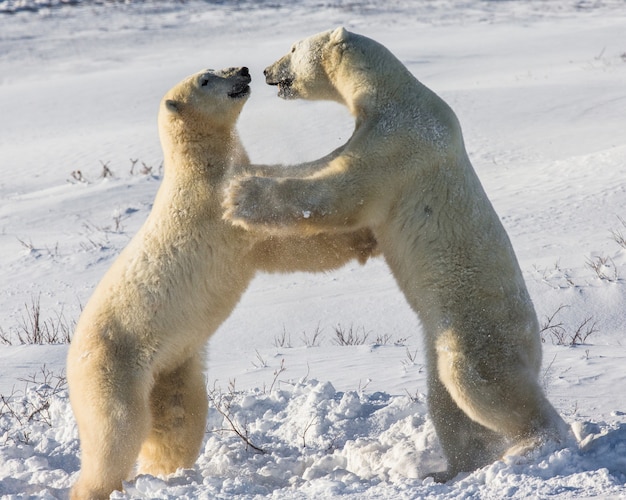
[(179, 405), (317, 253), (300, 170), (333, 200)]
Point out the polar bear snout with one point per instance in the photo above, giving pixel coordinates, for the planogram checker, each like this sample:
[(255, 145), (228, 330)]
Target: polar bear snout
[(241, 86), (267, 72), (233, 81), (278, 75), (280, 78), (232, 72), (240, 89)]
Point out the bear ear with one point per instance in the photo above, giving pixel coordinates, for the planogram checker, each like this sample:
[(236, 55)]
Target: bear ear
[(339, 35), (173, 106)]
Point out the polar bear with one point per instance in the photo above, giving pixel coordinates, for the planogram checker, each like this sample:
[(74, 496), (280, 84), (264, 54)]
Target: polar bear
[(135, 364), (405, 174)]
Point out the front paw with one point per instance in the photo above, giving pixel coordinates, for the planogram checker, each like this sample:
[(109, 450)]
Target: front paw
[(245, 201), (364, 244)]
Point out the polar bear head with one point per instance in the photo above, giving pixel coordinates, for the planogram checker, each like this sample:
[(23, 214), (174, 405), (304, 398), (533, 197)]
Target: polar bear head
[(205, 103), (335, 65), (303, 72)]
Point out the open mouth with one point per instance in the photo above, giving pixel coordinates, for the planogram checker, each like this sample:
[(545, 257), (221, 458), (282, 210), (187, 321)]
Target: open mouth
[(284, 87), (240, 90), (283, 84)]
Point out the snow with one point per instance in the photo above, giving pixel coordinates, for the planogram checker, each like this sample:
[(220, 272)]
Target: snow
[(539, 89)]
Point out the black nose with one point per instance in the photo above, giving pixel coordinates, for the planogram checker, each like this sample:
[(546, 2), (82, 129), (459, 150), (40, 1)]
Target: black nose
[(244, 71), (265, 71)]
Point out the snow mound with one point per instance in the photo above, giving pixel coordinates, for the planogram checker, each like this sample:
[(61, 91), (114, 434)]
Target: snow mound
[(305, 439)]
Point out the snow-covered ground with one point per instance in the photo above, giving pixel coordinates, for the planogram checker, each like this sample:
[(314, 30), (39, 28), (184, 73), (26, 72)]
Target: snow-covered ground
[(540, 88)]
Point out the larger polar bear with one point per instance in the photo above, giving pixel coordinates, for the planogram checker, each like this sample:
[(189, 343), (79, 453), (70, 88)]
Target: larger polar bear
[(405, 174), (135, 365)]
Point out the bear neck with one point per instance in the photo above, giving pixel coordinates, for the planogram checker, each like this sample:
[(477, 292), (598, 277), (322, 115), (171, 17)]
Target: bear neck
[(365, 97), (203, 155), (366, 92)]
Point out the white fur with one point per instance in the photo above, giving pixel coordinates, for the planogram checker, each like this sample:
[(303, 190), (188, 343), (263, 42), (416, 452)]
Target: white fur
[(405, 174), (135, 365)]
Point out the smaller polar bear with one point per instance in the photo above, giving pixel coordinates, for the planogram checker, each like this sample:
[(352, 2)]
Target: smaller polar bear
[(135, 365), (405, 174)]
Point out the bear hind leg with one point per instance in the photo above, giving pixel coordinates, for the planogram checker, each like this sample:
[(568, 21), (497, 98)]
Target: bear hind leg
[(511, 403), (113, 418), (179, 406), (466, 444)]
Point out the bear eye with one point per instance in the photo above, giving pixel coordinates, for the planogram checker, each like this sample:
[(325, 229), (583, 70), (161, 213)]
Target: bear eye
[(293, 49), (204, 82)]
